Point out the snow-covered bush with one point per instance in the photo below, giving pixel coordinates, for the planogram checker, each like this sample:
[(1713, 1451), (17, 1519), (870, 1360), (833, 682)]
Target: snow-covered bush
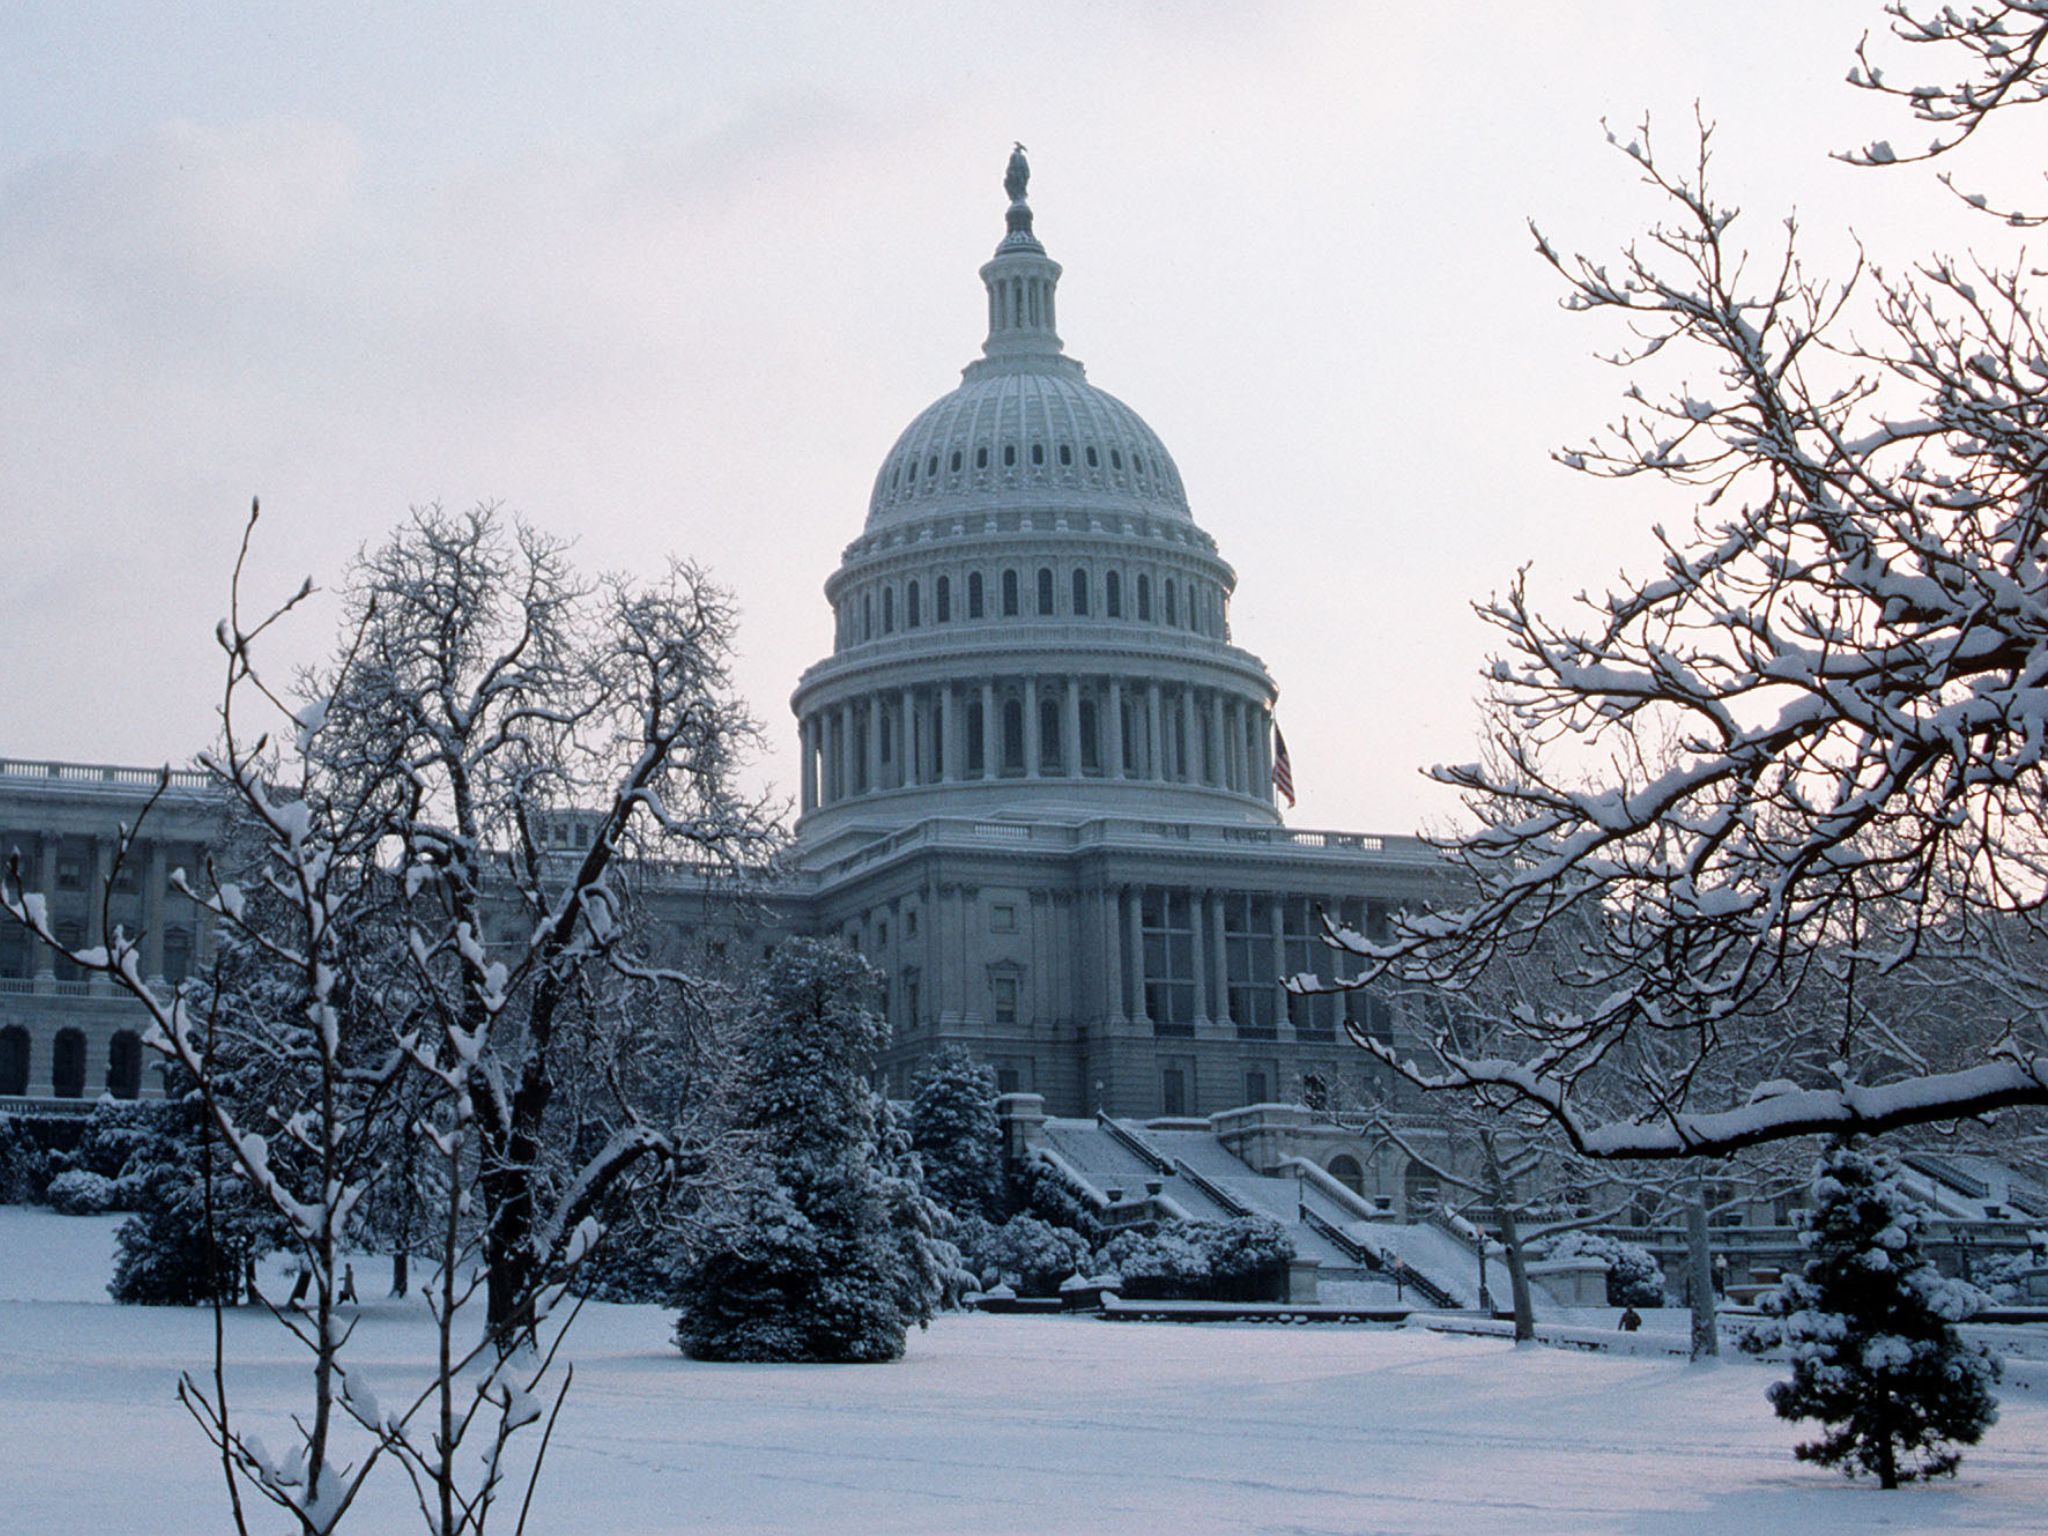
[(1634, 1278), (1869, 1324), (1041, 1190), (113, 1132), (1030, 1256), (80, 1193), (957, 1135), (2003, 1276), (1240, 1260), (196, 1223), (24, 1164), (811, 1260)]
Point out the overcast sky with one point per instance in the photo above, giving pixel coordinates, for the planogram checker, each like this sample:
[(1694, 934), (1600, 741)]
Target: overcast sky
[(672, 278)]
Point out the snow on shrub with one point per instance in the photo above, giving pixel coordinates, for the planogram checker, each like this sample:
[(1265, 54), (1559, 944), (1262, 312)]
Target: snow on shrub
[(1634, 1278), (79, 1193), (1240, 1260), (1027, 1254)]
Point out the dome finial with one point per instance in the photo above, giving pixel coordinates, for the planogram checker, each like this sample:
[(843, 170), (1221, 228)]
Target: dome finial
[(1017, 182)]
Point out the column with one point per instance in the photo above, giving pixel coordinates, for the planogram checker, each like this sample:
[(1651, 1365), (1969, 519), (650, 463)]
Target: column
[(949, 737), (155, 874), (806, 795), (1219, 764), (1110, 914), (1135, 917), (46, 882), (1280, 966), (906, 713), (988, 728), (849, 747), (1112, 726), (1198, 922), (1155, 746), (98, 899), (1070, 757), (1031, 727), (1221, 959), (1190, 764), (1262, 737)]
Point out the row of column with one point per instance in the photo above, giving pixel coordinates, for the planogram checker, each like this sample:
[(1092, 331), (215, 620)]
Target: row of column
[(1152, 732), (152, 861), (1121, 925)]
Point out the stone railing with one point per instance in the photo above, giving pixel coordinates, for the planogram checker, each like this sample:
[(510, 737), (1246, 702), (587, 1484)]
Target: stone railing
[(35, 773)]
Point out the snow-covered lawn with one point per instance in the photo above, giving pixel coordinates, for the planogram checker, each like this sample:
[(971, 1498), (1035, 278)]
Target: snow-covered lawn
[(989, 1425)]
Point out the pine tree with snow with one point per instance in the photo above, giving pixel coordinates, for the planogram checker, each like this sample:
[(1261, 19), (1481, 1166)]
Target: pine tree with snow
[(808, 1262), (957, 1135), (1869, 1324)]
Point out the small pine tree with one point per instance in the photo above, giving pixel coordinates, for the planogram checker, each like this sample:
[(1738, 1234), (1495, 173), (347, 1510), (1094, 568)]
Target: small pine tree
[(957, 1135), (1870, 1326), (814, 1259), (167, 1253)]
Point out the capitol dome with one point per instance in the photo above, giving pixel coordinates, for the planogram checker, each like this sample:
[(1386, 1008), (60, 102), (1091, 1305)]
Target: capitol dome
[(1030, 625)]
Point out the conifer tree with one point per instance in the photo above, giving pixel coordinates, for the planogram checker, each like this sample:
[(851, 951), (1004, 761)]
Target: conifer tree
[(956, 1134), (808, 1262), (1870, 1327)]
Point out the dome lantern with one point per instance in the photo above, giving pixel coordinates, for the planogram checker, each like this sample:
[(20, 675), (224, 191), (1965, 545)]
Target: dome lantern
[(1021, 280)]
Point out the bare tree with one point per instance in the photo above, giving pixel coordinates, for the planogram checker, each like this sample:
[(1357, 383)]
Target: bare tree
[(1844, 655)]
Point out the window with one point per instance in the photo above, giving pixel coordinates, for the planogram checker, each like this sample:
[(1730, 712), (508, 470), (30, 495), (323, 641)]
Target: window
[(124, 1065), (1168, 931), (1080, 592), (1003, 999), (942, 600), (1013, 736), (931, 466), (1345, 1170), (1171, 613), (1045, 592), (71, 936), (974, 594), (910, 998), (884, 728), (1173, 1091), (889, 609), (1009, 455), (976, 762), (910, 925), (1091, 734), (67, 1065), (1094, 462), (1254, 985), (1010, 599), (913, 607), (1255, 1090), (955, 465), (1066, 456), (1116, 458), (1144, 598), (1049, 758), (1037, 453), (1113, 595), (1301, 949), (1006, 1079), (981, 458), (1002, 918), (177, 954), (882, 934), (70, 875), (867, 615), (13, 1059)]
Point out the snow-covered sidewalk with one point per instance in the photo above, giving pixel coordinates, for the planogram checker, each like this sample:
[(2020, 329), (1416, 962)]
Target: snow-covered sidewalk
[(994, 1425)]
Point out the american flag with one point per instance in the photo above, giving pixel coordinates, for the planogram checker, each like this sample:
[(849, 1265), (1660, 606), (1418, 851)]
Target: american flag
[(1283, 768)]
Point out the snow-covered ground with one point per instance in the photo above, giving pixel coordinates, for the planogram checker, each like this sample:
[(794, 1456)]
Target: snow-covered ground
[(989, 1425)]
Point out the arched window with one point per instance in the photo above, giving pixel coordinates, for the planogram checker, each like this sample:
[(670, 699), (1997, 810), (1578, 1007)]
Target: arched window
[(1091, 752), (1009, 594), (981, 458), (885, 729), (124, 1065), (1037, 453), (889, 609), (1049, 758), (955, 463), (913, 607), (1080, 591), (1045, 591), (1144, 598), (1066, 456), (1009, 455), (1013, 736), (1113, 595), (974, 594), (931, 466), (942, 600), (976, 762), (1116, 458), (1345, 1170), (867, 615), (1172, 617), (1093, 461), (67, 1064), (13, 1059)]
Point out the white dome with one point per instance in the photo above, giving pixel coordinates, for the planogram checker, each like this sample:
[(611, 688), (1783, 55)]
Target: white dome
[(1030, 430)]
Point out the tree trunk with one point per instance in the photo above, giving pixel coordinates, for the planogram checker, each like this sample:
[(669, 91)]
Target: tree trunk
[(401, 1272), (1706, 1333), (1511, 1239)]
